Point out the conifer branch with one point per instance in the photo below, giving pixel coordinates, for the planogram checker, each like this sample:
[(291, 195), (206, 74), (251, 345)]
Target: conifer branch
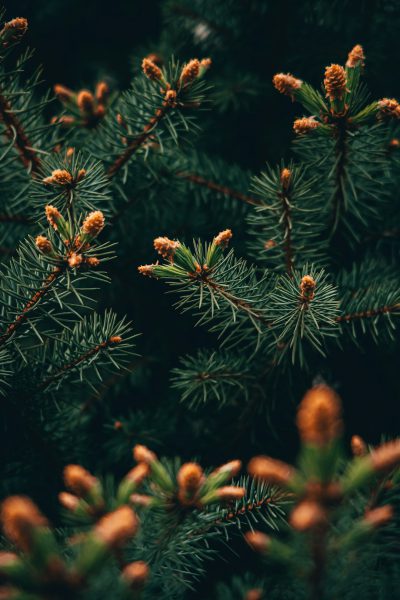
[(367, 314), (36, 298), (16, 133), (222, 189)]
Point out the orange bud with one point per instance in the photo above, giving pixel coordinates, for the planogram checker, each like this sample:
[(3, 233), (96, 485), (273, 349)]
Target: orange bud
[(43, 244), (93, 224), (20, 517), (223, 238), (79, 480), (136, 574), (271, 470), (319, 417), (117, 527), (143, 454), (258, 541), (190, 71)]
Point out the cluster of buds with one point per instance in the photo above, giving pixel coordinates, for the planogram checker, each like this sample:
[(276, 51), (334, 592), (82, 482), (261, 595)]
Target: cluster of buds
[(319, 484), (388, 107), (64, 179), (356, 57), (181, 259), (191, 488), (13, 31), (191, 71), (86, 109), (75, 243)]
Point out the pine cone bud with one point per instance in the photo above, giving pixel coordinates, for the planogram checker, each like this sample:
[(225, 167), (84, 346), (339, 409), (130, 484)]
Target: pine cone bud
[(63, 93), (13, 31), (92, 261), (59, 177), (358, 446), (231, 468), (43, 244), (286, 84), (254, 594), (136, 574), (356, 57), (190, 71), (205, 63), (151, 70), (223, 238), (79, 480), (319, 418), (379, 516), (307, 288), (117, 527), (85, 101), (143, 454), (53, 215), (20, 517), (271, 470), (258, 541), (68, 501), (139, 473), (230, 492), (305, 125), (335, 82), (286, 176), (93, 224), (389, 107), (394, 144), (165, 247), (102, 92), (386, 457), (170, 98), (146, 270), (75, 260), (307, 515), (190, 477), (141, 500)]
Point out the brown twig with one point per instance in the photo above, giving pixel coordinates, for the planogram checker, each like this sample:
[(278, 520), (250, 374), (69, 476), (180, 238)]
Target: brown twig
[(365, 314), (216, 187), (15, 132), (287, 234), (21, 318)]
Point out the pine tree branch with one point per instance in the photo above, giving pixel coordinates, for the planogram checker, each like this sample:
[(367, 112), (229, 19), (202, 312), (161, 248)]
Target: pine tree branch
[(21, 318), (287, 233), (139, 140), (212, 185), (74, 363), (15, 219), (15, 132), (366, 314), (341, 158)]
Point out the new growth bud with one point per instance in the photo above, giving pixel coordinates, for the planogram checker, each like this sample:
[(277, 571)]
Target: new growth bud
[(389, 107), (43, 244), (335, 82), (93, 224), (117, 527), (305, 125), (358, 446), (189, 478), (13, 31), (53, 215), (165, 247), (286, 84), (79, 480), (356, 57), (386, 457), (307, 515), (307, 288), (20, 517), (59, 177), (136, 574), (151, 70), (143, 454), (271, 470), (258, 541), (223, 238), (285, 178), (319, 417), (379, 516), (190, 72)]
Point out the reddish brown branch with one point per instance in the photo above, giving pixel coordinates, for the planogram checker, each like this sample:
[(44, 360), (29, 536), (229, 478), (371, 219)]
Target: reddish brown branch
[(366, 314), (216, 187), (15, 131), (21, 318), (74, 363), (15, 219), (138, 141)]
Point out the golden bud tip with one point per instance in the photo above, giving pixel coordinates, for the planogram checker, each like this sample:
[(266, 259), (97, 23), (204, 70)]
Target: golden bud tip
[(85, 101), (285, 178), (190, 71), (43, 244), (389, 107), (151, 70), (102, 92), (358, 446), (136, 574), (170, 97), (335, 82), (13, 30), (307, 515), (379, 516), (53, 215), (63, 93), (93, 224), (20, 516), (307, 288), (286, 84), (165, 247), (146, 270), (75, 260), (356, 57), (271, 470), (117, 527), (387, 456), (305, 125), (143, 454), (68, 501), (232, 468), (79, 480), (139, 473), (230, 492), (190, 476), (258, 541), (319, 417), (59, 177), (223, 238)]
